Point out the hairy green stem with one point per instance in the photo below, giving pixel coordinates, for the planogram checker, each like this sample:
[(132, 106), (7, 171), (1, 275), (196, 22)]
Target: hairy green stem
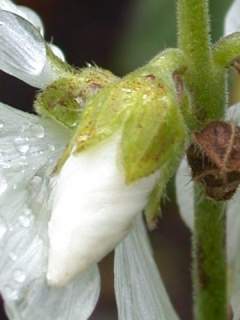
[(206, 82), (209, 270)]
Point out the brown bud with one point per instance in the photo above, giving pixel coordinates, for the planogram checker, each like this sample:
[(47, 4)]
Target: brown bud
[(214, 157)]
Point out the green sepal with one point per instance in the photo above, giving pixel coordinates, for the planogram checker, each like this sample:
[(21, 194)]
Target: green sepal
[(64, 99), (107, 111), (152, 132), (153, 210)]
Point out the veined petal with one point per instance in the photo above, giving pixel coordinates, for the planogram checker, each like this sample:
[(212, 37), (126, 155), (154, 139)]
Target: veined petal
[(23, 12), (139, 290), (232, 19), (29, 148), (184, 193), (93, 209), (32, 17), (23, 52)]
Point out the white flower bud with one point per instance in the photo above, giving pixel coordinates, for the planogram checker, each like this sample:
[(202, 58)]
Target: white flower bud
[(93, 209)]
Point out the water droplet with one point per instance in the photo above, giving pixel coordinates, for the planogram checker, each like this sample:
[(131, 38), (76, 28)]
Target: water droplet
[(23, 148), (11, 292), (3, 185), (51, 147), (1, 124), (19, 276), (20, 140), (27, 211), (25, 220), (36, 180), (3, 228), (38, 131), (12, 256), (5, 165)]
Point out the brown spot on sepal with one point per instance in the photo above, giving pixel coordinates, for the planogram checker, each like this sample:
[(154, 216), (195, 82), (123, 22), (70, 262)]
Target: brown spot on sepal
[(214, 157)]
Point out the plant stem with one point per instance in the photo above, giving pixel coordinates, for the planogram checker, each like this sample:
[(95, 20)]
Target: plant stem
[(206, 83), (209, 270), (205, 80)]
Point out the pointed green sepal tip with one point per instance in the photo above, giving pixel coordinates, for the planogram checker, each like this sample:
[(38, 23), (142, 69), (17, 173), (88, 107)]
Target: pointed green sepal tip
[(64, 99), (153, 209)]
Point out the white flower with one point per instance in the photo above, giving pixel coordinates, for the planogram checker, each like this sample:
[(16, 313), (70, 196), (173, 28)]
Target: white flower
[(185, 199), (90, 209), (23, 50)]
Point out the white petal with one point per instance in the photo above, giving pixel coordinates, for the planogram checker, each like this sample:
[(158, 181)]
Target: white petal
[(23, 52), (184, 193), (233, 205), (233, 242), (57, 51), (29, 148), (32, 17), (139, 290), (92, 210), (232, 19), (23, 12), (233, 114)]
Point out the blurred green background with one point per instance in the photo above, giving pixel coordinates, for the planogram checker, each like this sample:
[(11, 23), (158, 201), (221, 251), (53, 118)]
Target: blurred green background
[(122, 35)]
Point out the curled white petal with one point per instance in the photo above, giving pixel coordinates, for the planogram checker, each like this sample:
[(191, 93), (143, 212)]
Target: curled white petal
[(23, 12), (32, 17), (29, 148), (232, 19), (139, 290), (93, 210), (23, 52), (184, 193)]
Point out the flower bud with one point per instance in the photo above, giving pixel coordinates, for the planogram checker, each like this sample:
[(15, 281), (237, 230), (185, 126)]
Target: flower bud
[(127, 133)]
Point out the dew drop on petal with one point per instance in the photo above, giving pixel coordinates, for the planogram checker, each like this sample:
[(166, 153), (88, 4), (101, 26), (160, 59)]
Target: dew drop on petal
[(3, 185), (1, 124), (3, 228), (38, 131), (27, 211), (11, 292), (36, 181), (19, 140), (51, 147), (23, 148), (14, 186), (19, 276), (25, 220), (12, 256)]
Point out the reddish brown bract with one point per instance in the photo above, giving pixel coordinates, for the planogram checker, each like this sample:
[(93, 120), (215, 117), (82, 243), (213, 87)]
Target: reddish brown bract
[(214, 157)]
